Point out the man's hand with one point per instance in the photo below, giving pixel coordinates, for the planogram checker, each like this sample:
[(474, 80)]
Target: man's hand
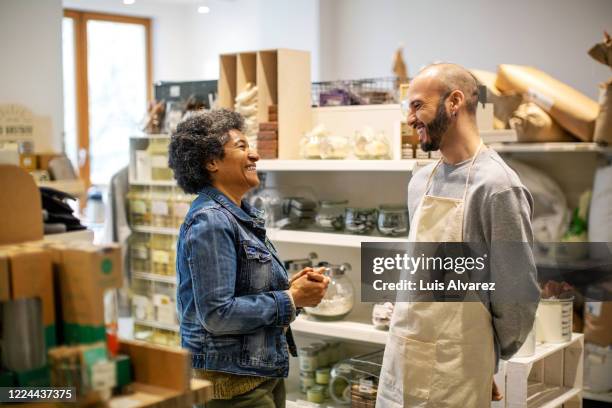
[(308, 287), (495, 394)]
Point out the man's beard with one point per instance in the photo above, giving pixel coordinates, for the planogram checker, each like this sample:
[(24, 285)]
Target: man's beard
[(436, 128)]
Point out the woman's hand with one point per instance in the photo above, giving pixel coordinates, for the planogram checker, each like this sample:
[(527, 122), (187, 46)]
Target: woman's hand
[(307, 270), (308, 287)]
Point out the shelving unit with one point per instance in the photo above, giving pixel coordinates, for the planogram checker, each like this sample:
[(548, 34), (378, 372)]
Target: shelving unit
[(341, 165), (282, 77), (154, 277), (341, 330), (561, 147), (85, 235), (550, 378), (157, 325)]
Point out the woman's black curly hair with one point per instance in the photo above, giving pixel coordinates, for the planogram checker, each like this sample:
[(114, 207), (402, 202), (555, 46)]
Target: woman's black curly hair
[(199, 139)]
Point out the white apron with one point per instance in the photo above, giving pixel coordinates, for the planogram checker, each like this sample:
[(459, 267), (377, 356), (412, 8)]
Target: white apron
[(439, 354)]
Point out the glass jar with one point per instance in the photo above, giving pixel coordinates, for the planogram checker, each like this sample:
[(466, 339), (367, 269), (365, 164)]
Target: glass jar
[(393, 220), (381, 315), (307, 380), (158, 151), (339, 298), (316, 394), (140, 260), (359, 220), (322, 376), (310, 146), (335, 353), (322, 353), (333, 147), (161, 204), (139, 201), (369, 145), (163, 254), (308, 358), (331, 215)]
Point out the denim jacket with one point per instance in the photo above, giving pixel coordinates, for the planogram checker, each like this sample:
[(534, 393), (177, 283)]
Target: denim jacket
[(232, 300)]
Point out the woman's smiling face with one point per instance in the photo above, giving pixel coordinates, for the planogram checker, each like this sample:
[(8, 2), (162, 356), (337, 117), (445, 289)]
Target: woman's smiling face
[(237, 170)]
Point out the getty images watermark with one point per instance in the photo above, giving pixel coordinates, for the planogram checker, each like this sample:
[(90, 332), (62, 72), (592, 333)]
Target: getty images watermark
[(464, 271)]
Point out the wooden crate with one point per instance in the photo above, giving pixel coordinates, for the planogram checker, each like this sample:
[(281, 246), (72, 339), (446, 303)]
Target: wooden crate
[(283, 79), (552, 377)]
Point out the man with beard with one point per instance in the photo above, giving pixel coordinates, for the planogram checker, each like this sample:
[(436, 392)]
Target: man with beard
[(445, 354)]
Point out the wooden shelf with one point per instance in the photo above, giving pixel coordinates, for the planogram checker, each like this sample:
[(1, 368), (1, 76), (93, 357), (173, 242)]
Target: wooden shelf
[(156, 230), (341, 329), (157, 325), (341, 165), (153, 183), (154, 277), (546, 349), (325, 238), (560, 147), (86, 235)]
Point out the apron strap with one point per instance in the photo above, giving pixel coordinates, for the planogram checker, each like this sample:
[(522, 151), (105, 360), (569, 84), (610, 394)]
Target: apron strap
[(467, 179), (433, 171)]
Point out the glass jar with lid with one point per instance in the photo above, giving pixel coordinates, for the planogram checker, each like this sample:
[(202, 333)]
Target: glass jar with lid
[(308, 358), (334, 147), (371, 145), (339, 298), (331, 215), (360, 220), (393, 220)]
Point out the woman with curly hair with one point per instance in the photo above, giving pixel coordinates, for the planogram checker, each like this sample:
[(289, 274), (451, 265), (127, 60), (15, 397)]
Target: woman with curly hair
[(234, 298)]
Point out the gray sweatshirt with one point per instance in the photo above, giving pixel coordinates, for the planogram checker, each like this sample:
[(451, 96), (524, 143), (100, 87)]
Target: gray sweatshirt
[(498, 209)]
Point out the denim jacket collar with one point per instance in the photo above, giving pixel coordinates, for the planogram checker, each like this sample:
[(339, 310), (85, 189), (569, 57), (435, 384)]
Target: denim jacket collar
[(246, 213)]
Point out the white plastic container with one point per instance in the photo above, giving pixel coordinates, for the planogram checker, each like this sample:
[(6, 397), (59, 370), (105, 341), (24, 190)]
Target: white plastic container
[(554, 320), (597, 368)]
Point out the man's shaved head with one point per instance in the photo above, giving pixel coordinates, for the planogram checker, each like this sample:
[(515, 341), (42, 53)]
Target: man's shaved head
[(450, 77), (439, 98)]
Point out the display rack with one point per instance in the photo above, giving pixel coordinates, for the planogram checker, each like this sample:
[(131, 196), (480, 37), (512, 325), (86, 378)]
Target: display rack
[(283, 79), (552, 377), (341, 330)]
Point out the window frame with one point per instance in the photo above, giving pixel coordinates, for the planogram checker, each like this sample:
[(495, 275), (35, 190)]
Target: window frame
[(80, 19)]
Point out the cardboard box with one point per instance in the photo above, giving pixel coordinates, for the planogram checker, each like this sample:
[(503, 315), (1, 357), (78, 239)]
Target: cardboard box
[(26, 272), (264, 126), (160, 366), (573, 110), (20, 207), (85, 272), (267, 135)]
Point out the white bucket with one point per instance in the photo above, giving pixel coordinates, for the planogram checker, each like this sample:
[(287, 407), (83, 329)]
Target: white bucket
[(528, 347), (554, 320), (597, 368)]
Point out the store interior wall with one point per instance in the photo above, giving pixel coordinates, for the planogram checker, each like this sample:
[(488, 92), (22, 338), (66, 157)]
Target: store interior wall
[(347, 39), (358, 37), (31, 60)]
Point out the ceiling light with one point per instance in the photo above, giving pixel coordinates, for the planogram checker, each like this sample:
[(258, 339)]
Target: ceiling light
[(128, 2), (203, 9)]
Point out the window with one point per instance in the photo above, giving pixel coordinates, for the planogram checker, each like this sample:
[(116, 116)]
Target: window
[(107, 82)]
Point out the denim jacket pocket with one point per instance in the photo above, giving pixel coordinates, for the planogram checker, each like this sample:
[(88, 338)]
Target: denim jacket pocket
[(257, 267)]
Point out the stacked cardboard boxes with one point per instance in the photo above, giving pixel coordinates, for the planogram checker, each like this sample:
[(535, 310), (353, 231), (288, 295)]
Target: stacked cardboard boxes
[(267, 137)]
